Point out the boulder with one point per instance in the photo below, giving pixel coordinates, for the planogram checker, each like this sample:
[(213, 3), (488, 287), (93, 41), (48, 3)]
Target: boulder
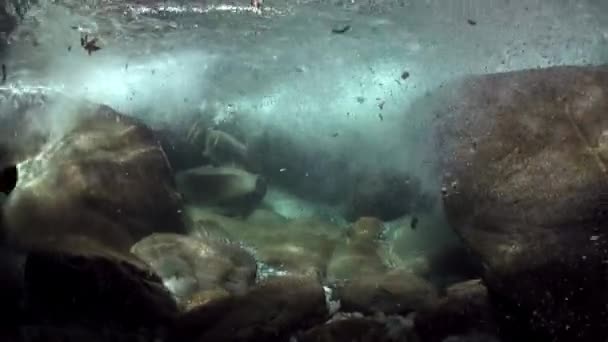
[(272, 311), (233, 191), (523, 156), (81, 282), (190, 265), (395, 292), (106, 178)]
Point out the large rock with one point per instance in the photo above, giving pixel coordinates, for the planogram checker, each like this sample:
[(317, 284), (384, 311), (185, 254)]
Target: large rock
[(80, 282), (525, 176), (395, 292), (106, 178), (272, 311), (190, 265)]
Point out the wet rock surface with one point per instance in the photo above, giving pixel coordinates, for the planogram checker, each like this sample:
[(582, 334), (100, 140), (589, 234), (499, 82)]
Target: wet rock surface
[(524, 160), (194, 268), (107, 178), (272, 311)]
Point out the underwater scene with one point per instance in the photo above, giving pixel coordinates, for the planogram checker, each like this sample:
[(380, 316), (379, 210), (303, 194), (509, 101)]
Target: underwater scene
[(304, 170)]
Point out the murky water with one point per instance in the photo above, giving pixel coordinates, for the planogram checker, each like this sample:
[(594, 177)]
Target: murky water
[(310, 170)]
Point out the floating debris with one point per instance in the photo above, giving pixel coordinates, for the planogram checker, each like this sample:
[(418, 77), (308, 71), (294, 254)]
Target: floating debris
[(405, 75), (471, 22), (381, 105), (282, 170), (360, 99), (414, 223), (340, 30), (257, 4), (594, 237), (381, 117), (4, 73), (335, 135), (89, 45)]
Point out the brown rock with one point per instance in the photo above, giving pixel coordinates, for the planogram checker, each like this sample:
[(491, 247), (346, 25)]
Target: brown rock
[(272, 311), (396, 292), (106, 178), (190, 265), (82, 282), (524, 161)]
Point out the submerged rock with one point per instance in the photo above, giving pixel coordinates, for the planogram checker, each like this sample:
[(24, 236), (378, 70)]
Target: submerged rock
[(300, 247), (271, 311), (189, 265), (233, 191), (80, 282), (106, 178), (524, 161), (351, 330), (396, 292)]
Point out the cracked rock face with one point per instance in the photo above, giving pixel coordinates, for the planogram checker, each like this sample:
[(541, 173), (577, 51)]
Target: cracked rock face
[(524, 163)]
